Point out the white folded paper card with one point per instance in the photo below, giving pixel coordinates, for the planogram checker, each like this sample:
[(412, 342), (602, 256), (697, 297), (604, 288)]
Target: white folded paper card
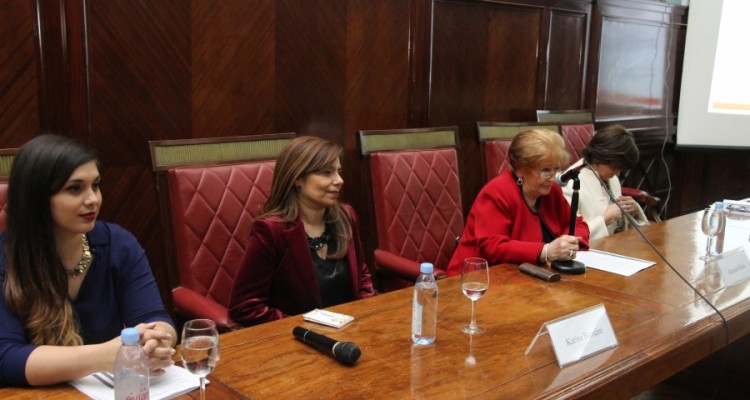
[(734, 265), (174, 382), (578, 335), (328, 318)]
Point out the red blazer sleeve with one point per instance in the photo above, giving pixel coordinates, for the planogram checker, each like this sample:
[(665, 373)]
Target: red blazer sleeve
[(362, 280), (252, 285)]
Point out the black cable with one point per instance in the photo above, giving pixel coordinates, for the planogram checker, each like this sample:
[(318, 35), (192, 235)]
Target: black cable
[(634, 224)]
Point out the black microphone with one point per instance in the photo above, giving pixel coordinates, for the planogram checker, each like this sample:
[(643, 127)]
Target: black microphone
[(562, 179), (344, 352)]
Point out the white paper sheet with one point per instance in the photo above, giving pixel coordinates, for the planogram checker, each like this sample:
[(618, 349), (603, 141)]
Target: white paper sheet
[(174, 382), (611, 262)]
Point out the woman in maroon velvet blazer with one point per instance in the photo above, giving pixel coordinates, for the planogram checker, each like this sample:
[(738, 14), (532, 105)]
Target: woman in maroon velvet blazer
[(304, 252), (522, 215)]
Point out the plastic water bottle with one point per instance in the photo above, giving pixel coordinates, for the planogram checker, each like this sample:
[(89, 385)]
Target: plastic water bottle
[(131, 368), (424, 307)]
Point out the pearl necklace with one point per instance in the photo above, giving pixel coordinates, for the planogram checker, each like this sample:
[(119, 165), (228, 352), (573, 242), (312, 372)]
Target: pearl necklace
[(85, 260)]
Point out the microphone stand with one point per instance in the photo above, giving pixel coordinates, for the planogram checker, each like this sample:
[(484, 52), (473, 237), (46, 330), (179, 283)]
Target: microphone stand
[(571, 267)]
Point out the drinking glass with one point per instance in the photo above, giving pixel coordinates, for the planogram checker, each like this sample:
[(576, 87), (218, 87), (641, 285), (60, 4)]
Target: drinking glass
[(712, 224), (475, 278), (200, 349)]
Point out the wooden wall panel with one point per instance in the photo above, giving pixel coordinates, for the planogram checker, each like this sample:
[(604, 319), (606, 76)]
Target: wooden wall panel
[(635, 59), (233, 59), (566, 65), (482, 69), (310, 68), (377, 86), (18, 73), (632, 68)]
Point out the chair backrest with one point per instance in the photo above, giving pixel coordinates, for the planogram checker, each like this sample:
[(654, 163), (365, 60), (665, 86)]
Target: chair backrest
[(576, 137), (496, 157), (216, 187), (416, 191), (6, 160), (565, 116), (497, 137)]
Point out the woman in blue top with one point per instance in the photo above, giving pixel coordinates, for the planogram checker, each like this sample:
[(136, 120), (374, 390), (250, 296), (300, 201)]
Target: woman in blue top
[(70, 283)]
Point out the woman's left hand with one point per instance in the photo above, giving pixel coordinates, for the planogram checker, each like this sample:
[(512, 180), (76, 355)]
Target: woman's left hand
[(628, 204), (157, 344)]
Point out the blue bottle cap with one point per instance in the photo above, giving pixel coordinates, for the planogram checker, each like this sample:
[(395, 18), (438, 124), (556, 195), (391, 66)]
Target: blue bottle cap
[(130, 336), (719, 205), (426, 268)]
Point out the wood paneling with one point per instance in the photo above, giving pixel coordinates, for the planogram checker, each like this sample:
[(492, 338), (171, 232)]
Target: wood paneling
[(566, 60), (233, 67), (140, 89), (18, 74), (492, 61), (632, 59), (378, 71)]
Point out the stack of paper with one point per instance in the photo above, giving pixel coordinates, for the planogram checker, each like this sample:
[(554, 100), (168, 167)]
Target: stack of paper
[(174, 382), (611, 262)]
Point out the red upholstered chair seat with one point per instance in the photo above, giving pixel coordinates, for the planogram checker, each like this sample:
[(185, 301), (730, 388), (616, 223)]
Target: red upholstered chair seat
[(212, 212), (418, 210)]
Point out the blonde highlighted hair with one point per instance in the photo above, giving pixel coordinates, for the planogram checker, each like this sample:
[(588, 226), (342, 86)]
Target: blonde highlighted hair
[(535, 147)]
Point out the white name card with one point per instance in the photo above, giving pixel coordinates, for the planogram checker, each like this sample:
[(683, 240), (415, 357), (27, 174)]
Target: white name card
[(734, 266), (581, 335)]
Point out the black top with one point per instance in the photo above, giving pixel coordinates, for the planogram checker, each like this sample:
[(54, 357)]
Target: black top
[(334, 278)]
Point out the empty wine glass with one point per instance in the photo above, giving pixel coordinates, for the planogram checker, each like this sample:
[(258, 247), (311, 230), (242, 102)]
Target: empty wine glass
[(712, 224), (475, 278), (200, 349)]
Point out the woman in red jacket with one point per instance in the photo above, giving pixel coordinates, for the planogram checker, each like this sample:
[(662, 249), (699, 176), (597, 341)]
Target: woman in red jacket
[(522, 215), (304, 252)]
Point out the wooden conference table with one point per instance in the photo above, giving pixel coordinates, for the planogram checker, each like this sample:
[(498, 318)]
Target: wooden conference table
[(661, 325)]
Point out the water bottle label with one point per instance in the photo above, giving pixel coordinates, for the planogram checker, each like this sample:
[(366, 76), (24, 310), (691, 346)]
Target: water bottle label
[(416, 318), (138, 394)]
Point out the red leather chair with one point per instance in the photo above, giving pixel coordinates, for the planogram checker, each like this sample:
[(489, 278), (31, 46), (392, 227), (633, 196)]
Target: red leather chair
[(6, 159), (210, 209), (496, 156), (417, 195), (497, 137), (577, 137)]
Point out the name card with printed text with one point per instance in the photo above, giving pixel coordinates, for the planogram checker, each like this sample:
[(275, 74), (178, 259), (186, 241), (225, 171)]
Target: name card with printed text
[(734, 265), (581, 335)]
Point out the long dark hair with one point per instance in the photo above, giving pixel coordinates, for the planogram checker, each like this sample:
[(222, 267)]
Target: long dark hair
[(36, 286), (305, 155)]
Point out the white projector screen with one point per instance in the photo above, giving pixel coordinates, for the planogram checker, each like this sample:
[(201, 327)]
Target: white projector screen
[(715, 97)]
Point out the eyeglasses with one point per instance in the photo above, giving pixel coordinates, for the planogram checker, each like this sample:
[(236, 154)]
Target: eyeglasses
[(546, 173)]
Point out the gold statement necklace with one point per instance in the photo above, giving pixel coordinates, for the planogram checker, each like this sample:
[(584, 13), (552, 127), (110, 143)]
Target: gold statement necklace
[(85, 260)]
